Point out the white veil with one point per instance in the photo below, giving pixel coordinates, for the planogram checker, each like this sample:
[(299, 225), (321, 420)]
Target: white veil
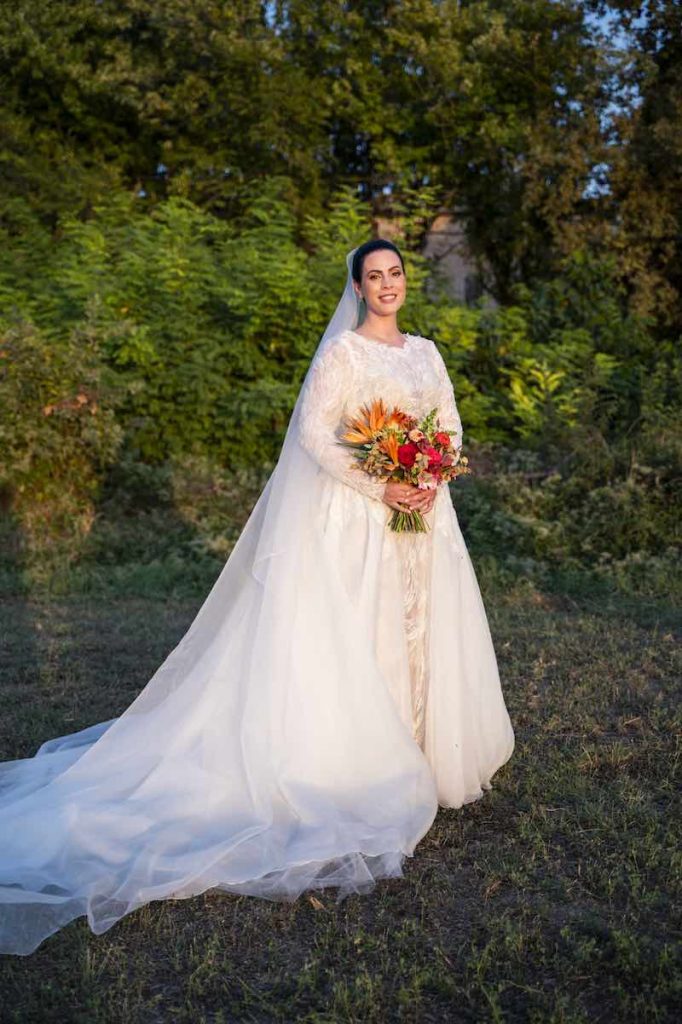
[(264, 756), (347, 314), (294, 468), (269, 531)]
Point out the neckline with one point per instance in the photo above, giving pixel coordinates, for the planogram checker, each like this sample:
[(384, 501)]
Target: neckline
[(382, 344)]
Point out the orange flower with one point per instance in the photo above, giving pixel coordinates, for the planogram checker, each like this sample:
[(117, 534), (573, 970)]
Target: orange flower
[(390, 446), (370, 422), (397, 418), (377, 414), (358, 433)]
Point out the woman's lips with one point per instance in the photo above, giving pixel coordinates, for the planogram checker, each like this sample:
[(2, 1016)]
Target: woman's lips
[(387, 298)]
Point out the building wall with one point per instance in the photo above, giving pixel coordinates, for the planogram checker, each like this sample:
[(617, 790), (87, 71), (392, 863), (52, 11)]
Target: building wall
[(446, 245)]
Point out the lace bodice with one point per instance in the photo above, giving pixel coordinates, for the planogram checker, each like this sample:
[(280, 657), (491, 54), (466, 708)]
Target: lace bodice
[(351, 372)]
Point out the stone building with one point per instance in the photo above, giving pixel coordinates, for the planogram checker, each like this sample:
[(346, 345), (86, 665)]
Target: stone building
[(446, 245)]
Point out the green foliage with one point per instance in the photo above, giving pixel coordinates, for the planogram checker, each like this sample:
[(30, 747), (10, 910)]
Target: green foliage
[(211, 326), (611, 512), (58, 429), (507, 108), (564, 363), (189, 337)]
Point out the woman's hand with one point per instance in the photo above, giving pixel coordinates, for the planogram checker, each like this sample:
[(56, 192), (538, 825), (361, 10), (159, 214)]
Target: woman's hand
[(406, 497)]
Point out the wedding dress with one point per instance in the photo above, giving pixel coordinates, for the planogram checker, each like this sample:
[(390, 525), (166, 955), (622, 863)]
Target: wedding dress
[(337, 685)]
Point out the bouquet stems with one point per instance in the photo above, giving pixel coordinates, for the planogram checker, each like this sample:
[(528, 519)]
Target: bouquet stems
[(408, 522)]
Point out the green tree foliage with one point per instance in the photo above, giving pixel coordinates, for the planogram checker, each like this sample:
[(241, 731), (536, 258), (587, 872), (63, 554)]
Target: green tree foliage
[(188, 97), (644, 202), (500, 104), (179, 183)]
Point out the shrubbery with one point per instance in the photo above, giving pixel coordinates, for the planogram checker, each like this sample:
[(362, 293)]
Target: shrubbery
[(58, 429), (158, 354)]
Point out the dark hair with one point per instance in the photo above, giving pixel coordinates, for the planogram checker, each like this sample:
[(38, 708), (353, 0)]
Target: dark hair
[(365, 249)]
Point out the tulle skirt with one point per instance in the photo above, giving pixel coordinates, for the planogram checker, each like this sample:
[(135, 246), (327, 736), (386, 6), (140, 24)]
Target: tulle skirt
[(301, 735)]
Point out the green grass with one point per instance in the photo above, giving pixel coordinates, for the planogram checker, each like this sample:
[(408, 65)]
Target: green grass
[(550, 900)]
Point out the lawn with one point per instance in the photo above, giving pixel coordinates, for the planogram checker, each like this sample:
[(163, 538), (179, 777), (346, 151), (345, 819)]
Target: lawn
[(552, 899)]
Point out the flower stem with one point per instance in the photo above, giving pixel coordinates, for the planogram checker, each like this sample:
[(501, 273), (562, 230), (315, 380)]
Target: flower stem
[(408, 522)]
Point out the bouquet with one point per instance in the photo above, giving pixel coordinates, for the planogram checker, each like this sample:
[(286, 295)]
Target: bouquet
[(395, 446)]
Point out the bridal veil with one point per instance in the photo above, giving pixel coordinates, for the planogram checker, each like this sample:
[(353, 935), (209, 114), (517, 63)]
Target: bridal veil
[(265, 756)]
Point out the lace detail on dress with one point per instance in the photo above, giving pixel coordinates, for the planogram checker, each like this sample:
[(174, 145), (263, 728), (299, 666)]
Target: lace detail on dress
[(415, 561), (322, 412), (447, 406)]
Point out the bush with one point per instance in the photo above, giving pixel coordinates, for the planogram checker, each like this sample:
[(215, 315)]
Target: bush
[(615, 518), (58, 430)]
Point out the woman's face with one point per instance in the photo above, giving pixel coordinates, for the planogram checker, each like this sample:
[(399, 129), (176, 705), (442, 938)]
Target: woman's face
[(383, 284)]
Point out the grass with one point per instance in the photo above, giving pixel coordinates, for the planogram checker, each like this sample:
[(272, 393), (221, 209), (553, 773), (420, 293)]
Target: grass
[(550, 900)]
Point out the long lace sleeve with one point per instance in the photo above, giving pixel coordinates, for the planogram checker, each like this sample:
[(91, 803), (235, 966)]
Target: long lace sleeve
[(447, 406), (321, 419)]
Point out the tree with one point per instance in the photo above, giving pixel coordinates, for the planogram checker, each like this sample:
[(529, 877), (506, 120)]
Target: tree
[(645, 200)]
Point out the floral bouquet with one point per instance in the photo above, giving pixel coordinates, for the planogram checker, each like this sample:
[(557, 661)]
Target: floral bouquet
[(395, 446)]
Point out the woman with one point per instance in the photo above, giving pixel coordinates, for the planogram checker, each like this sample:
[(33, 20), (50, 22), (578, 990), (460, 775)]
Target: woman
[(337, 685)]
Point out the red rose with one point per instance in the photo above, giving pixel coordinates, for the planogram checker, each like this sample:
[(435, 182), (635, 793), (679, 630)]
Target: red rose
[(435, 457), (442, 438), (407, 453)]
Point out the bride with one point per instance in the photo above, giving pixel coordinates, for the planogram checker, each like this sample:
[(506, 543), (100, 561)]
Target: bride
[(338, 684)]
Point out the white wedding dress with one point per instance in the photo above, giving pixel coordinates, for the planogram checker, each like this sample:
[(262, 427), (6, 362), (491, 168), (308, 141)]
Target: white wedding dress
[(337, 685)]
